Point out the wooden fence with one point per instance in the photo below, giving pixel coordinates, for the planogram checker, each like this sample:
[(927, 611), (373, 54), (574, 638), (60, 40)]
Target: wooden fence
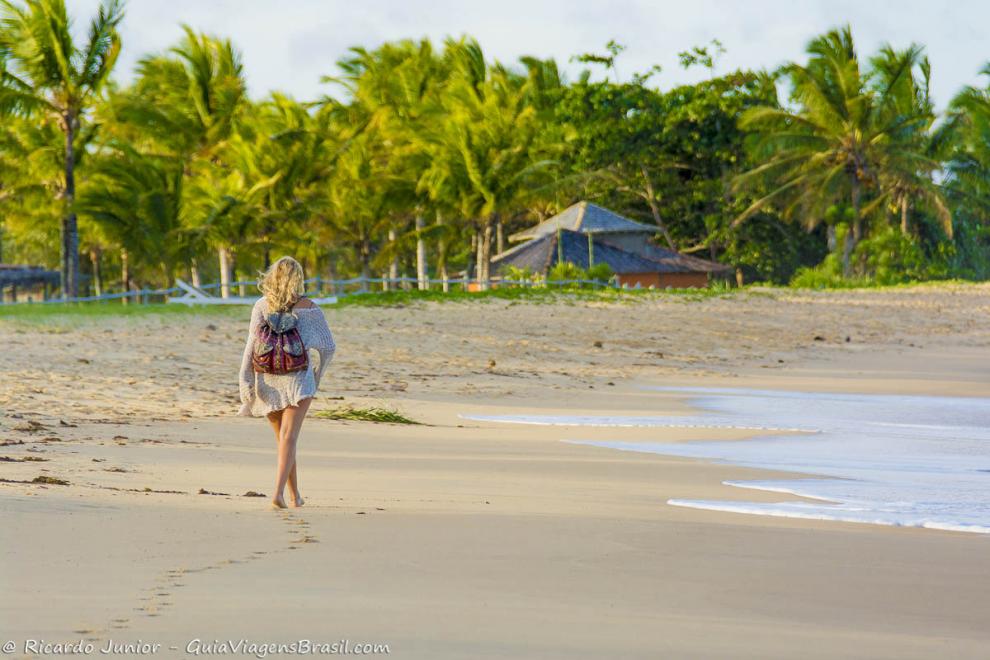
[(321, 287)]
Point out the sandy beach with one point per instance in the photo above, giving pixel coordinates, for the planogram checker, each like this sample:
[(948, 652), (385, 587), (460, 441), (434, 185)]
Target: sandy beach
[(456, 538)]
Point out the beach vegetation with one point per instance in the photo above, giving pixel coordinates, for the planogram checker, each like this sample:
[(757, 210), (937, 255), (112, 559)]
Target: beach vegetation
[(377, 414), (424, 158)]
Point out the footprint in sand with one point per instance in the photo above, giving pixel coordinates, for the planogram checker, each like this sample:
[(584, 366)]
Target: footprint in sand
[(155, 602)]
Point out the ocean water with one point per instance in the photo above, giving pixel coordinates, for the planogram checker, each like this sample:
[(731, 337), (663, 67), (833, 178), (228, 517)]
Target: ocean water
[(916, 461)]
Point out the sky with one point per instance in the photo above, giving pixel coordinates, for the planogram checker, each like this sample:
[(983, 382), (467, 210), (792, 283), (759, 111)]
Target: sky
[(288, 45)]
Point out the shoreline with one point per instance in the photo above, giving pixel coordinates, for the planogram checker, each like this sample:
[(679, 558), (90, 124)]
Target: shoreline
[(463, 538), (392, 509)]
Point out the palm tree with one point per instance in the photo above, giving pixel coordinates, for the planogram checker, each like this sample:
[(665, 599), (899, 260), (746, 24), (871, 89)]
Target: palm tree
[(968, 133), (394, 91), (45, 73), (909, 157), (135, 200), (288, 151), (359, 197), (832, 146), (186, 105), (485, 153), (31, 174)]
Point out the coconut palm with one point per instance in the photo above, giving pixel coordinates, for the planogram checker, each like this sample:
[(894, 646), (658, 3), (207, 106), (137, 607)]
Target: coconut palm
[(288, 151), (830, 148), (359, 197), (968, 128), (483, 156), (31, 176), (187, 101), (44, 73), (186, 104), (394, 91), (909, 157), (135, 200)]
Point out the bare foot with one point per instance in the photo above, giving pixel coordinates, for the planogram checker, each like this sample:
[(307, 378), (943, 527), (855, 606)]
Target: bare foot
[(278, 503), (297, 500)]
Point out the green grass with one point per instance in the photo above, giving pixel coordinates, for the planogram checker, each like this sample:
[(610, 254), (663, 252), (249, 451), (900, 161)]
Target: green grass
[(58, 317), (59, 314), (535, 295), (67, 315), (373, 414), (841, 284)]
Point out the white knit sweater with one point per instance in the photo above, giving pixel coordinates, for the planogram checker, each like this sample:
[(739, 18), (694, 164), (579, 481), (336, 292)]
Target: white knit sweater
[(263, 393)]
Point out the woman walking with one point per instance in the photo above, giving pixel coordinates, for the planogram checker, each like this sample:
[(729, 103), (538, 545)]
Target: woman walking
[(277, 378)]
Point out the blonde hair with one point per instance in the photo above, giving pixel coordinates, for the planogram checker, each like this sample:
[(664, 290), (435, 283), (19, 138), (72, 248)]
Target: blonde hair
[(282, 283)]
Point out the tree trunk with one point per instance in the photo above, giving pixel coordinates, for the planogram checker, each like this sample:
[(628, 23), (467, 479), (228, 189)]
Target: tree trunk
[(442, 263), (125, 273), (486, 256), (94, 257), (905, 229), (70, 230), (225, 269), (393, 265), (475, 272), (655, 210), (365, 266), (421, 275), (853, 236), (500, 237), (332, 273), (194, 273), (830, 238)]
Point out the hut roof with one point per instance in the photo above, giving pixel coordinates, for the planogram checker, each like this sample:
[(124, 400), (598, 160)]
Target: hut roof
[(675, 262), (540, 254), (26, 275), (586, 218)]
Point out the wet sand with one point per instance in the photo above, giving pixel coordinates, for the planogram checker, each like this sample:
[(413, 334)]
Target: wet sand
[(465, 539)]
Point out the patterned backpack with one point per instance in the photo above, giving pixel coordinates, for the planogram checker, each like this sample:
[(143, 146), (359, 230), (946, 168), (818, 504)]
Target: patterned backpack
[(278, 346)]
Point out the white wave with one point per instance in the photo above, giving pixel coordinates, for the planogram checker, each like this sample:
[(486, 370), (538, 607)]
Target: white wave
[(624, 422), (912, 461), (822, 513)]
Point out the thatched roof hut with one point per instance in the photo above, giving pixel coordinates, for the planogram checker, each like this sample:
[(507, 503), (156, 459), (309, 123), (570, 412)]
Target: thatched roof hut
[(625, 245), (541, 254), (676, 262), (586, 218)]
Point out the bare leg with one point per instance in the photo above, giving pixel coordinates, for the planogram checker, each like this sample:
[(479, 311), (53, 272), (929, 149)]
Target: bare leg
[(275, 418), (292, 419)]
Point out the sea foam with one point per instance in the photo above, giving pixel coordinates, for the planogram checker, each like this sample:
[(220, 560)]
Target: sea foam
[(916, 461)]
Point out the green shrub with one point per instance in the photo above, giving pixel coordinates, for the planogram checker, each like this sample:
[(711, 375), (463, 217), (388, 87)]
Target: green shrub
[(600, 272), (519, 274), (890, 257), (826, 275), (885, 258), (565, 270)]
